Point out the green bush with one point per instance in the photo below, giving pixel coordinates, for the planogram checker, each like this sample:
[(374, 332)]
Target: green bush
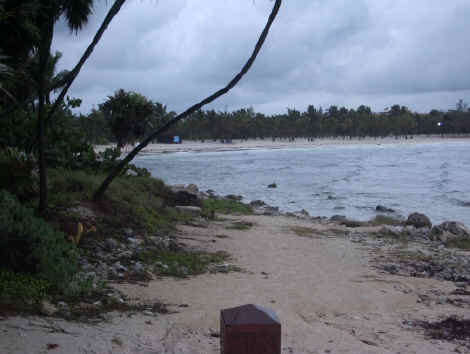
[(23, 287), (29, 245), (17, 173), (225, 206), (130, 201), (110, 158)]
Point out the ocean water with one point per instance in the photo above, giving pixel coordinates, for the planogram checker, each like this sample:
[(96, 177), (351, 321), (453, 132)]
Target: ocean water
[(351, 180)]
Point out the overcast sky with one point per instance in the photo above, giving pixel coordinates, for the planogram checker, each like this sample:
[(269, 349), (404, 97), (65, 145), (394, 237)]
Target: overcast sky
[(321, 52)]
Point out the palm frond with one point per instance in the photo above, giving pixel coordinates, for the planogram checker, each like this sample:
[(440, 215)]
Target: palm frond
[(77, 13)]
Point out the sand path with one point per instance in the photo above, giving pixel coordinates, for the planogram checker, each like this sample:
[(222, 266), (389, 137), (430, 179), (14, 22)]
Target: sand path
[(327, 295)]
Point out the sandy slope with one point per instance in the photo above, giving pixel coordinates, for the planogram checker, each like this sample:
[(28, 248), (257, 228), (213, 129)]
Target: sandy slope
[(328, 297)]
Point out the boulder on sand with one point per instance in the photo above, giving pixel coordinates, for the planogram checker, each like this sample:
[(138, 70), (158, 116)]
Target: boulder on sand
[(182, 195), (418, 220), (449, 230)]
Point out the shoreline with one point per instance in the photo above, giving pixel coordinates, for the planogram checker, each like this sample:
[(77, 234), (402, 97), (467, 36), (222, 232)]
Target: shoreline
[(298, 143)]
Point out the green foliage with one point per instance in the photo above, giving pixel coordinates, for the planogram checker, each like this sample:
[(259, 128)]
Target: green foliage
[(95, 128), (224, 206), (29, 245), (110, 158), (182, 263), (16, 129), (332, 122), (22, 287), (128, 115), (240, 225), (67, 146), (17, 173), (131, 201)]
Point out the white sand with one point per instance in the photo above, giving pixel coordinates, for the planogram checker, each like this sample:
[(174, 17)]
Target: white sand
[(236, 145), (328, 297)]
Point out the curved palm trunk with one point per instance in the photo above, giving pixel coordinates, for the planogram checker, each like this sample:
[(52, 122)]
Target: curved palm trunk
[(117, 170)]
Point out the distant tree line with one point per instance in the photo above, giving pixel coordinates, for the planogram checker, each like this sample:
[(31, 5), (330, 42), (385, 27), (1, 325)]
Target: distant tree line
[(125, 125)]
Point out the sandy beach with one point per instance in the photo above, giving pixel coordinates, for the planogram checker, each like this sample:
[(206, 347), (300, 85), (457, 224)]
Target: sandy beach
[(323, 287), (298, 143)]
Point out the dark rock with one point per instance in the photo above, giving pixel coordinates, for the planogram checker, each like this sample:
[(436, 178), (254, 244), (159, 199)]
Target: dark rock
[(184, 195), (267, 210), (160, 242), (111, 244), (257, 203), (302, 214), (418, 220), (338, 218), (174, 246), (192, 188), (449, 230), (352, 223), (383, 209), (185, 198), (237, 198)]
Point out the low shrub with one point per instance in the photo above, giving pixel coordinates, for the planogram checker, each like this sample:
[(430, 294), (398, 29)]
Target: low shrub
[(240, 225), (130, 201), (29, 245), (224, 206), (17, 173), (23, 287), (110, 158), (183, 263)]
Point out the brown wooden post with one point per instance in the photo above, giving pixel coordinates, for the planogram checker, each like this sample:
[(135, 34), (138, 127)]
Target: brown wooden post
[(249, 329)]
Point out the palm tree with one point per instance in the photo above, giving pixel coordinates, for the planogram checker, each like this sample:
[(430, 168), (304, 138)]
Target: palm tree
[(76, 14), (54, 81)]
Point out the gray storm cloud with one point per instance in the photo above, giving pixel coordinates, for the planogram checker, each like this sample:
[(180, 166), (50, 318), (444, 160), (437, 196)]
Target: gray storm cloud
[(342, 52)]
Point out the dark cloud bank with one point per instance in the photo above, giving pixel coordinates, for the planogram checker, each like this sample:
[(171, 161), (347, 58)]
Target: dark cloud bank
[(320, 52)]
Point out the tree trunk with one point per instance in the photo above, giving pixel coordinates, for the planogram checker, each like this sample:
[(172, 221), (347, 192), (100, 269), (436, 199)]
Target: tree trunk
[(117, 170), (44, 53)]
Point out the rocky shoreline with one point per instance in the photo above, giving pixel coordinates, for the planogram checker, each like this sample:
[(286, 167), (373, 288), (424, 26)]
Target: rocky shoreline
[(427, 253)]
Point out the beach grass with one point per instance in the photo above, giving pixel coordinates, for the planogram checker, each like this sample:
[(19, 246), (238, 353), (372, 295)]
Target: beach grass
[(302, 231), (240, 225), (131, 201), (182, 263), (225, 206)]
